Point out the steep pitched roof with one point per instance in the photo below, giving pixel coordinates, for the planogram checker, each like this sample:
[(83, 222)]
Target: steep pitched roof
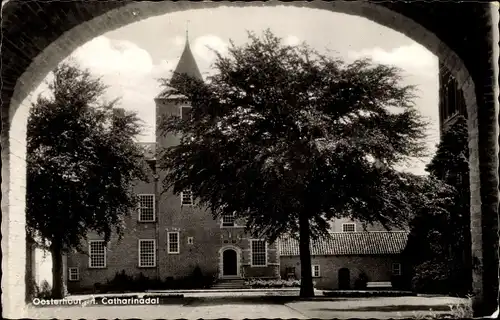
[(351, 243), (186, 65)]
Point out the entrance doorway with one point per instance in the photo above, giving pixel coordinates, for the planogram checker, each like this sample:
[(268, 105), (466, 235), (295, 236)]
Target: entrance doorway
[(344, 279), (229, 263)]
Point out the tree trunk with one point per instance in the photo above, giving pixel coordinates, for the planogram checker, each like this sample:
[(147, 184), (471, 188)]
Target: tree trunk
[(57, 271), (30, 275), (306, 283)]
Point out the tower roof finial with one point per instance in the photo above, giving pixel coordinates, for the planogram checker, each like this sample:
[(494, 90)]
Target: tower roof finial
[(187, 31)]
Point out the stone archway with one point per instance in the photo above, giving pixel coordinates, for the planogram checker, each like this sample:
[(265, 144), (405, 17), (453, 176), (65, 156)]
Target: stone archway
[(229, 262), (38, 35)]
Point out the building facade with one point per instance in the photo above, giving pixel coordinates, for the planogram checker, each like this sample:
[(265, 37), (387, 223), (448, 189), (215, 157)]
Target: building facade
[(170, 235), (347, 258), (451, 99)]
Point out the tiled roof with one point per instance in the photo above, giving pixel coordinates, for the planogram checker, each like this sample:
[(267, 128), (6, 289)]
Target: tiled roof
[(149, 149), (351, 243)]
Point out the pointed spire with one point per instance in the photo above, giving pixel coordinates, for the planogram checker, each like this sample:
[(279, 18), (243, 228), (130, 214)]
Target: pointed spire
[(187, 64)]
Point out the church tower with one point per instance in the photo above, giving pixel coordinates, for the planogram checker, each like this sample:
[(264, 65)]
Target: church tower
[(167, 103)]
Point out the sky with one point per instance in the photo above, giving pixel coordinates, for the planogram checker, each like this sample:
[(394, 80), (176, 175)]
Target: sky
[(132, 58)]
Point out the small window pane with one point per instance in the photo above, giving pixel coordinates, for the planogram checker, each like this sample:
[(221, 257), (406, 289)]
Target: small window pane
[(396, 269), (315, 271), (97, 254), (259, 253), (146, 207), (173, 242), (73, 274), (228, 220), (348, 227), (147, 253), (186, 198)]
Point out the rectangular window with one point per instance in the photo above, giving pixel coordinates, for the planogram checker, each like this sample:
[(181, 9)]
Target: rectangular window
[(185, 112), (228, 220), (147, 253), (315, 271), (173, 242), (348, 227), (146, 207), (259, 254), (186, 198), (97, 254), (396, 269), (73, 274), (190, 240)]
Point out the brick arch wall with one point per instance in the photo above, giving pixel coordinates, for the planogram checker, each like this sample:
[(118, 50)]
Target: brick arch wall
[(36, 35)]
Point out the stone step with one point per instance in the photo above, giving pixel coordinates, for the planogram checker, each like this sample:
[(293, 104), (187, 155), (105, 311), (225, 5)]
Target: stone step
[(230, 284)]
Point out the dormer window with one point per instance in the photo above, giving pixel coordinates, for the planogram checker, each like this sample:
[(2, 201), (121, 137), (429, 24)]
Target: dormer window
[(348, 227), (228, 220), (186, 198), (185, 112)]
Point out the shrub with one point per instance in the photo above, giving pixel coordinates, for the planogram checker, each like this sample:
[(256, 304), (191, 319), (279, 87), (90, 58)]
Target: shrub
[(120, 283), (196, 280), (33, 288), (197, 274), (364, 293), (431, 277), (462, 311), (140, 283), (44, 291), (125, 283), (155, 284), (261, 283)]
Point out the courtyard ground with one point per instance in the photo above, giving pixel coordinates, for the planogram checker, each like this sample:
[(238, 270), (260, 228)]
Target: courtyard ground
[(241, 305)]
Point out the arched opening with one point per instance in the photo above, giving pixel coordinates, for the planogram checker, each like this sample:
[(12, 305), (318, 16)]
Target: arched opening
[(229, 263), (89, 23), (344, 279)]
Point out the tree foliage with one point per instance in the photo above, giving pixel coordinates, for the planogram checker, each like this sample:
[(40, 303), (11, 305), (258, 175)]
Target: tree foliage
[(81, 162), (440, 229), (287, 138)]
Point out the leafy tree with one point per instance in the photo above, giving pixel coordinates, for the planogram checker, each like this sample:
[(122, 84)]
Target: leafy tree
[(81, 162), (425, 248), (286, 138), (451, 165), (440, 234)]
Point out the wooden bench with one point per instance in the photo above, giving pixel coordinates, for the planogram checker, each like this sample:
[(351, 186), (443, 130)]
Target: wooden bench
[(379, 284)]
